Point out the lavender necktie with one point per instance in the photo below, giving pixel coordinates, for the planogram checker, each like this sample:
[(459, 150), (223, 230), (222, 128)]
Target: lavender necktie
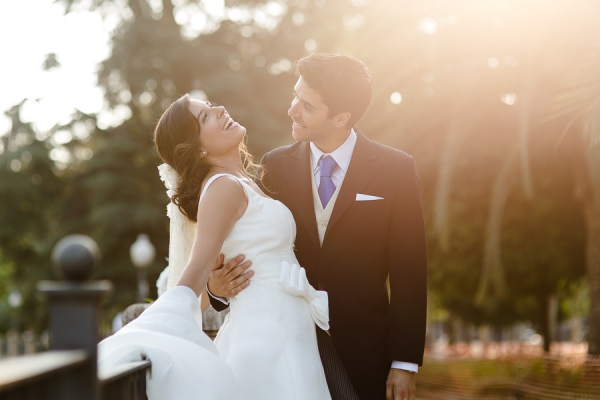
[(326, 186)]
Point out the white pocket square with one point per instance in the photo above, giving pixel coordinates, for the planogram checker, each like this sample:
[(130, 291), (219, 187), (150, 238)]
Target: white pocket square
[(367, 197)]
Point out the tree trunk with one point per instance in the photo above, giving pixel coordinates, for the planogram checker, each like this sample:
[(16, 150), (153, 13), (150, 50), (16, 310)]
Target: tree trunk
[(549, 310), (456, 330), (492, 275), (592, 223), (545, 322), (585, 192)]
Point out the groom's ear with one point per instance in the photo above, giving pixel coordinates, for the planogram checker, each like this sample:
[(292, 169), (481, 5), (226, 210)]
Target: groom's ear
[(340, 120)]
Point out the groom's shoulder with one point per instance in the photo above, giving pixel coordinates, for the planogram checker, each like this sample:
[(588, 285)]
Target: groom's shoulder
[(276, 153), (390, 154)]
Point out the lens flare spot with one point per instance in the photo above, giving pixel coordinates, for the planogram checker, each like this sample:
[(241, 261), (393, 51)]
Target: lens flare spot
[(310, 44), (285, 64), (508, 98), (353, 21), (26, 156), (428, 25), (510, 61), (15, 165), (396, 98), (298, 18)]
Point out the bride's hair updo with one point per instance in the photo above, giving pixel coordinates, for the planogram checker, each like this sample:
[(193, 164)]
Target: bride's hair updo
[(177, 141)]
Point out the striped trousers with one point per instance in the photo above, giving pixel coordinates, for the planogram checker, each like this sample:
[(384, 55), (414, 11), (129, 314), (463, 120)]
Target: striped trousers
[(338, 381)]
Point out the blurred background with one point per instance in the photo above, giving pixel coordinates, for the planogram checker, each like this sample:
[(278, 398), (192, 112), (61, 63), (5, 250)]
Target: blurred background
[(497, 100)]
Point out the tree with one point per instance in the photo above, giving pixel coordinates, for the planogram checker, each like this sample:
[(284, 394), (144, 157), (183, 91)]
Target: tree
[(117, 194), (577, 105), (457, 84), (452, 81), (30, 210)]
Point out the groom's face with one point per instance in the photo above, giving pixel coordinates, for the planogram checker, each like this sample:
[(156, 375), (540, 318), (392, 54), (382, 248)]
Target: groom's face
[(309, 115)]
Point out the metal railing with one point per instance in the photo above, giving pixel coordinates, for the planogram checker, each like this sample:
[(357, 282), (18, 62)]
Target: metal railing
[(69, 370), (17, 344), (125, 382)]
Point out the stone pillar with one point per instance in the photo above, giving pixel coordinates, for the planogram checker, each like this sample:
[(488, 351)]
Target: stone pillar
[(73, 308)]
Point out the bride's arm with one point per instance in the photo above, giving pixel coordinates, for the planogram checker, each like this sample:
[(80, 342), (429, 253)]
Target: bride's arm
[(222, 205), (204, 301)]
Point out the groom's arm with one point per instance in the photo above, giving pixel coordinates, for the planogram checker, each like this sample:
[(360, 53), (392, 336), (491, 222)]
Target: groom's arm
[(227, 280), (407, 266), (218, 304)]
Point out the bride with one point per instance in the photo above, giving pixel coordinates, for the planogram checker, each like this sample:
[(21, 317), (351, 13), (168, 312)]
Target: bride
[(267, 347)]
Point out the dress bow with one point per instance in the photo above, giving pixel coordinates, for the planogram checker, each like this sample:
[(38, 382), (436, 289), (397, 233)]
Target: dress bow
[(293, 280)]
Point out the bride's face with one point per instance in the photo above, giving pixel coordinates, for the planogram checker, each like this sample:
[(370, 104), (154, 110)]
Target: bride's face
[(219, 133)]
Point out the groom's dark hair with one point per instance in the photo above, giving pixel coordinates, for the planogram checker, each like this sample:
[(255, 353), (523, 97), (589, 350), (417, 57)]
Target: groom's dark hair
[(344, 82)]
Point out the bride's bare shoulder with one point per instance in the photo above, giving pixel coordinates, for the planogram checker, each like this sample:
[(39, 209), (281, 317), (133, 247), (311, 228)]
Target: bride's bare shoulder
[(222, 182), (222, 192)]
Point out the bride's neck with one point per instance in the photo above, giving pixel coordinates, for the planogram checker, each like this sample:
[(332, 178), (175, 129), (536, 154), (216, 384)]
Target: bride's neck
[(231, 166)]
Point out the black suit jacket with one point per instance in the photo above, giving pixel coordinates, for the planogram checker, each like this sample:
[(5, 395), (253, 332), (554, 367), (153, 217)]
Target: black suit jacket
[(365, 242)]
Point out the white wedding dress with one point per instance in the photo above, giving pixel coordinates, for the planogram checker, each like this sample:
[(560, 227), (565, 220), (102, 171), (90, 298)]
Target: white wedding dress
[(267, 346)]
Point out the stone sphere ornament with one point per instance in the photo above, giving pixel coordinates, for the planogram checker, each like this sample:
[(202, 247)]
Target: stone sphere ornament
[(74, 257)]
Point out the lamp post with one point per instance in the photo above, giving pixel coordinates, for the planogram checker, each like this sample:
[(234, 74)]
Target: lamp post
[(142, 255), (15, 299)]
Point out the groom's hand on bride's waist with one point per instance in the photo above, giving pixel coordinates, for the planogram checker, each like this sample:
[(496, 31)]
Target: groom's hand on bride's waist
[(228, 280)]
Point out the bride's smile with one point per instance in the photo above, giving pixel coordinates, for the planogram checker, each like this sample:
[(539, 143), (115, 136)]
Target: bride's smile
[(219, 133)]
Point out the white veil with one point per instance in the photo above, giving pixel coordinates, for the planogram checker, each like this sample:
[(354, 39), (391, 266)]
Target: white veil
[(182, 236), (182, 233)]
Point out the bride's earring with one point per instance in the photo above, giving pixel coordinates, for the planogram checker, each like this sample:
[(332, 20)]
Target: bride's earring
[(203, 153)]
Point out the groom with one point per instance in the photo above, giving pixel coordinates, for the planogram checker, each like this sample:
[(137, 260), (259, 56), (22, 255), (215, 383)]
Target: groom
[(357, 206)]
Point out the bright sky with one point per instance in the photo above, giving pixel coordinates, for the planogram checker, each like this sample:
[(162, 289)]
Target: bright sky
[(30, 29)]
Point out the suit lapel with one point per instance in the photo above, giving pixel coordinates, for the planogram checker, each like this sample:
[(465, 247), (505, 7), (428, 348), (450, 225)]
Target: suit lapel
[(297, 171), (363, 166)]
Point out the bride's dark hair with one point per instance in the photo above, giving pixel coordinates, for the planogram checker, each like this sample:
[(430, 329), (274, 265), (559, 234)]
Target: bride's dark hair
[(177, 141)]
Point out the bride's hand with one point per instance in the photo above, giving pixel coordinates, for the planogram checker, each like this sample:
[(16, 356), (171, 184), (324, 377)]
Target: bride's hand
[(229, 279)]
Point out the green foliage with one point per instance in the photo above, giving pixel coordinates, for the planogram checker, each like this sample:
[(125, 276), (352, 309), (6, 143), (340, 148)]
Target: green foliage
[(575, 298), (451, 61), (30, 211)]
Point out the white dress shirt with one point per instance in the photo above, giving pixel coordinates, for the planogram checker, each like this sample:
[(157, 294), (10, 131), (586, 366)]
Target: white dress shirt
[(342, 156)]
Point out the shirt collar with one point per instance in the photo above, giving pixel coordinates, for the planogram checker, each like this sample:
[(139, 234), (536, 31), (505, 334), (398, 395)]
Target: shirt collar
[(342, 155)]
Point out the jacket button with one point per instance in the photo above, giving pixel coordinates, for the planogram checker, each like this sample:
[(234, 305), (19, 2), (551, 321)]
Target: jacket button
[(321, 286)]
